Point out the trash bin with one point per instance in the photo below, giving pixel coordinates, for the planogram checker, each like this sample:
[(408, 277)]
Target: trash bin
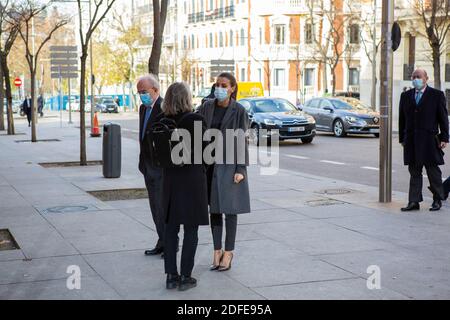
[(112, 150)]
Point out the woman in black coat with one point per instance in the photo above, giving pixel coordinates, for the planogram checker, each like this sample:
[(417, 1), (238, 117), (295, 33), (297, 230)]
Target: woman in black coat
[(185, 192)]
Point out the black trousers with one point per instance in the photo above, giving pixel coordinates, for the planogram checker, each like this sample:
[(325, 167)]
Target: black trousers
[(416, 182), (153, 182), (190, 242)]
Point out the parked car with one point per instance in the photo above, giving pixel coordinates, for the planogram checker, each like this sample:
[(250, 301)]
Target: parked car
[(107, 105), (15, 105), (76, 105), (277, 113), (342, 116)]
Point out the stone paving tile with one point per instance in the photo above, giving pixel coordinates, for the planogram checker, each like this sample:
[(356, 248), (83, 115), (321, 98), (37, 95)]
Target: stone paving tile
[(405, 271), (20, 216), (92, 288), (41, 241), (41, 269), (136, 276), (348, 289)]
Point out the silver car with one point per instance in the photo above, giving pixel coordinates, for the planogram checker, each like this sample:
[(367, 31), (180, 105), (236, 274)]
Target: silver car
[(342, 116)]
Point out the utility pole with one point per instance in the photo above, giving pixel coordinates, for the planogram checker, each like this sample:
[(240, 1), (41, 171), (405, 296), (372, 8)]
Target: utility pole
[(374, 58), (386, 75)]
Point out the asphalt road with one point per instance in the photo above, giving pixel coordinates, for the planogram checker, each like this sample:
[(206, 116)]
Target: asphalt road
[(353, 158)]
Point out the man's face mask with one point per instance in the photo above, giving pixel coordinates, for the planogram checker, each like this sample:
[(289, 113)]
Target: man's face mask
[(221, 94), (418, 84), (146, 99)]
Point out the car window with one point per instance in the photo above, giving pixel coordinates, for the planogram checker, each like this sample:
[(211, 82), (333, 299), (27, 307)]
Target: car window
[(246, 104), (314, 103), (348, 105), (325, 103), (273, 105)]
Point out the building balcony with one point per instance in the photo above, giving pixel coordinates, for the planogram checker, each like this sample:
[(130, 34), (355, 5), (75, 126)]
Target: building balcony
[(216, 14), (273, 7)]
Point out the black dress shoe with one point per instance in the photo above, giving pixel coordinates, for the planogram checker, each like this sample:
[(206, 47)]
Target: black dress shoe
[(186, 283), (436, 206), (172, 281), (154, 251), (411, 207)]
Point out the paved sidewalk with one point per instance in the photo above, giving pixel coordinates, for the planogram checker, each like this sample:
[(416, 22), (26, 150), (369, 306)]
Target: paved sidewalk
[(302, 240)]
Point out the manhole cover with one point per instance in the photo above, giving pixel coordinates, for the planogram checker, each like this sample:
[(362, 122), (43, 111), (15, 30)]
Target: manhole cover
[(66, 209), (7, 241), (323, 202), (335, 191)]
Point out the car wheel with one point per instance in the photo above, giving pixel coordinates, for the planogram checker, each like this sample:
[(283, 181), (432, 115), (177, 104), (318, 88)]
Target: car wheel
[(377, 135), (338, 128), (307, 140)]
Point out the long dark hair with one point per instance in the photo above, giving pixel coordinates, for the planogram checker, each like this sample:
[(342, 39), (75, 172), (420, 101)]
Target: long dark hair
[(233, 83)]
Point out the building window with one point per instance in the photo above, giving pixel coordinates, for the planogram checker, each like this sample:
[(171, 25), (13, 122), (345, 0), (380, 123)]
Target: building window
[(221, 39), (210, 40), (231, 38), (280, 34), (192, 42), (259, 74), (309, 77), (279, 77), (211, 4), (260, 36), (308, 33), (353, 77), (242, 37), (193, 6), (354, 34), (242, 78), (185, 42)]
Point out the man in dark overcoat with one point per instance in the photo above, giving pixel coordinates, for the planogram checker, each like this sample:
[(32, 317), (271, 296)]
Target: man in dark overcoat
[(424, 134)]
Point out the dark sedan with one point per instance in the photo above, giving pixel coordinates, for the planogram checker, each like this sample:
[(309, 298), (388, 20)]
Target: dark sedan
[(278, 114), (107, 105), (342, 116)]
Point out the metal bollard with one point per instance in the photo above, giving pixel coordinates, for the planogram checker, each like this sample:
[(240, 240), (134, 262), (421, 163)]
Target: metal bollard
[(112, 150)]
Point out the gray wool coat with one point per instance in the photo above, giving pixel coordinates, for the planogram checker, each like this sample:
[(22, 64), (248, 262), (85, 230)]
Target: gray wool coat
[(226, 196)]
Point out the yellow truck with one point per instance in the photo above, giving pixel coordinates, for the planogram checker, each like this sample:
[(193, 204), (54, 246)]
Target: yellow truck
[(249, 90)]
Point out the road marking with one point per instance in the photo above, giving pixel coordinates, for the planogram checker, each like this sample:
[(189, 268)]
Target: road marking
[(371, 168), (296, 157), (333, 162)]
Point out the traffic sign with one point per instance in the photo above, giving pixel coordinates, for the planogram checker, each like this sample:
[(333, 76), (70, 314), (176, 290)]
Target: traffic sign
[(18, 82)]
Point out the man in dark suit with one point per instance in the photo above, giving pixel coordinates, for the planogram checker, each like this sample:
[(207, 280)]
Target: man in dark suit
[(424, 133), (27, 107), (149, 91)]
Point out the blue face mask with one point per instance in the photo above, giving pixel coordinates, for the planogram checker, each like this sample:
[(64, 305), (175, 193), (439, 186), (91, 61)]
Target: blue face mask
[(146, 99), (221, 94), (418, 84)]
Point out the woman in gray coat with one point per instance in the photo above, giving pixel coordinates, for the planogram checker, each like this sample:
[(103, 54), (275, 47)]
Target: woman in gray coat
[(227, 175)]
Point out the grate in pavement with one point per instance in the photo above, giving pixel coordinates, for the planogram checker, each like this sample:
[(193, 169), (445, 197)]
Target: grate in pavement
[(335, 191), (42, 140), (7, 241), (120, 194), (323, 202), (69, 164)]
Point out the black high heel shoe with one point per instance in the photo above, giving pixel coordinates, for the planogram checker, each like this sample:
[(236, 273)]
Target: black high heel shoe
[(214, 267), (222, 268)]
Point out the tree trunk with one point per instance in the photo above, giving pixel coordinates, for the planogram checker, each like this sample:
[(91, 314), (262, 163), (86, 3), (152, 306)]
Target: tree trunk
[(437, 66), (2, 101), (83, 158), (8, 92), (333, 75), (33, 106), (159, 20), (324, 78)]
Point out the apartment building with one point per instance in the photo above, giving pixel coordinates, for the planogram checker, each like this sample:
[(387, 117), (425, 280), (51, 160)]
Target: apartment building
[(271, 41), (414, 52)]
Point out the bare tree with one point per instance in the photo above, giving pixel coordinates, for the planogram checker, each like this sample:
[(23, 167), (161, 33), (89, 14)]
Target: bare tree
[(101, 9), (159, 21), (9, 30), (28, 11), (329, 46), (435, 17)]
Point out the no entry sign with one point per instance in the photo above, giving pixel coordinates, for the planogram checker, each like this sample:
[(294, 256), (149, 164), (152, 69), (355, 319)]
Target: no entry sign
[(18, 82)]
